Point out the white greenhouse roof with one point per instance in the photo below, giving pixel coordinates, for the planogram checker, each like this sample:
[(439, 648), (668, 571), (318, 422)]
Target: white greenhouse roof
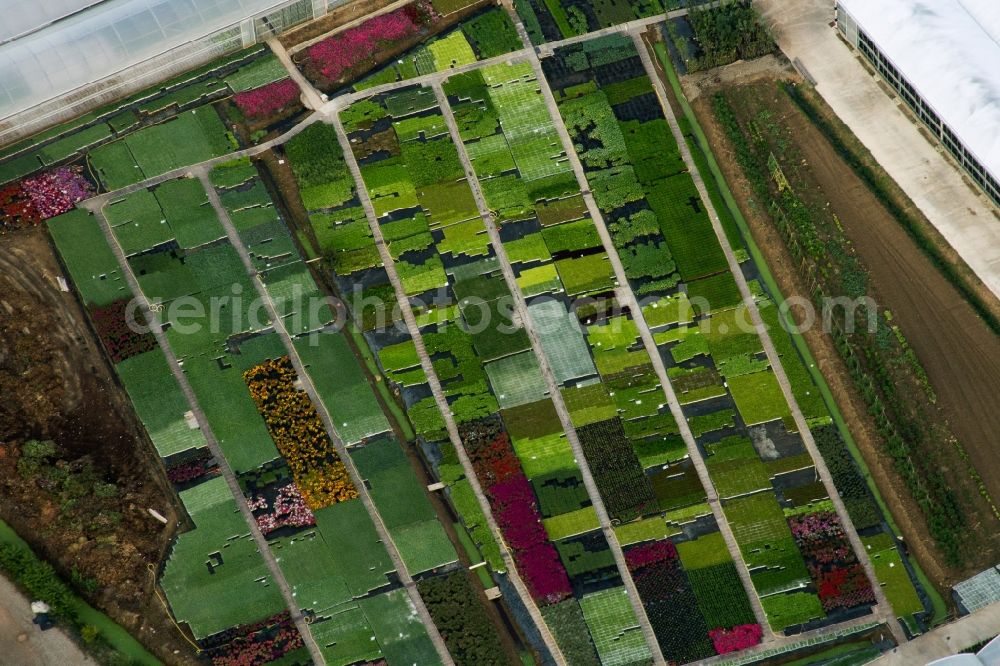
[(949, 50), (50, 47)]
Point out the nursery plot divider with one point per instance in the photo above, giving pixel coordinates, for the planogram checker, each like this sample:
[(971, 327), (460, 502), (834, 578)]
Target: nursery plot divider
[(627, 297), (96, 206), (438, 392), (553, 386), (338, 443), (313, 99), (884, 610), (343, 101)]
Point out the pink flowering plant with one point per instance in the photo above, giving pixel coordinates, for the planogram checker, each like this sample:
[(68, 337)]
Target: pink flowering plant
[(267, 100), (288, 510), (839, 578), (340, 53)]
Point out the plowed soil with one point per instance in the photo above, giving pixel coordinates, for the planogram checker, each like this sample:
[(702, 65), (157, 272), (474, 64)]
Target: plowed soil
[(56, 385), (959, 352)]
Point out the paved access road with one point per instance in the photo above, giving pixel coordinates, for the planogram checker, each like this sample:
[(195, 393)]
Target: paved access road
[(23, 643), (963, 216)]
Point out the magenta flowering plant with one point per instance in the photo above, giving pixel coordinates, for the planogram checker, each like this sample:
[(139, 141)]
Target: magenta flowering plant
[(267, 100), (515, 507), (56, 191), (738, 638), (338, 53), (649, 553), (832, 564)]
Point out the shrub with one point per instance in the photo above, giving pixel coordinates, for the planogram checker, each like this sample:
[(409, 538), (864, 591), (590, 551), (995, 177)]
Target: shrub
[(119, 338), (38, 579), (462, 620)]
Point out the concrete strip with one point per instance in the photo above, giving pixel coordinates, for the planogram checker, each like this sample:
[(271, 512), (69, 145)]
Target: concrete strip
[(439, 397), (963, 215), (521, 307), (23, 643), (310, 389), (948, 639), (96, 206), (312, 98), (885, 610)]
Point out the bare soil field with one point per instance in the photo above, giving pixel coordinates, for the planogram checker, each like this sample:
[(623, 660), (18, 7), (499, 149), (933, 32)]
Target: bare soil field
[(959, 352), (56, 385)]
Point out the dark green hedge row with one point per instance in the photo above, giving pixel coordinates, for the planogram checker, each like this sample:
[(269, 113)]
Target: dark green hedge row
[(462, 620)]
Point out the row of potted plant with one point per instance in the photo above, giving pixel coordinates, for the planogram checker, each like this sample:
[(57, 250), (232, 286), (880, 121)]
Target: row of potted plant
[(299, 434), (515, 508)]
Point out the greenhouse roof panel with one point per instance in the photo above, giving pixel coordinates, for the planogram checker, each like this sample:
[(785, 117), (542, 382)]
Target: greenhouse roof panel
[(56, 46), (948, 50)]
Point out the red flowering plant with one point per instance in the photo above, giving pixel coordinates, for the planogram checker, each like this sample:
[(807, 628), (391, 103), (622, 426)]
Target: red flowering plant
[(515, 508), (340, 53), (738, 638), (267, 100), (184, 469), (121, 340), (649, 553), (17, 209), (833, 566)]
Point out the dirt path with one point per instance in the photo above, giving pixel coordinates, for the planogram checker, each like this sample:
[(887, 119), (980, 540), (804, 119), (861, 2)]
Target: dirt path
[(959, 352)]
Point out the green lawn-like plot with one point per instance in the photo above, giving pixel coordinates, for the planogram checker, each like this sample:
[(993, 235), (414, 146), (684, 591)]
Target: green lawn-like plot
[(345, 637), (192, 137), (164, 276), (223, 396), (403, 505), (114, 165), (516, 380), (138, 223), (257, 73), (786, 610), (401, 635), (90, 262), (892, 575), (572, 524), (342, 386), (159, 402), (361, 559), (614, 628), (186, 208), (759, 398), (307, 562), (215, 578)]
